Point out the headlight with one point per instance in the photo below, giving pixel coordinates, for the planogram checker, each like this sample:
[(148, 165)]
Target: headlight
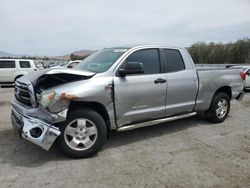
[(46, 99)]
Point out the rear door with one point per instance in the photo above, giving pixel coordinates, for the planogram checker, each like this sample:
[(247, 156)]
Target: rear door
[(141, 97), (182, 84), (7, 70)]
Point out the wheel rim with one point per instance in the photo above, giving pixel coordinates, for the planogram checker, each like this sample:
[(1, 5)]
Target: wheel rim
[(222, 108), (80, 134)]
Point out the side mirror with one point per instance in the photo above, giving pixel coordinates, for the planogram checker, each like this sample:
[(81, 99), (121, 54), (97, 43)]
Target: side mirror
[(70, 66), (132, 68)]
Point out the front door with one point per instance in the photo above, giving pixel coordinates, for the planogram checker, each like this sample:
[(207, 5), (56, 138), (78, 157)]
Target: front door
[(141, 97)]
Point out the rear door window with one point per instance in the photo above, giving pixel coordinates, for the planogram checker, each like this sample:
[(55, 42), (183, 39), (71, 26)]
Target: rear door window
[(24, 64), (173, 60), (5, 64)]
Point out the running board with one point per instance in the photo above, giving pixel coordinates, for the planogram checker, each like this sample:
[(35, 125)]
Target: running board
[(154, 122)]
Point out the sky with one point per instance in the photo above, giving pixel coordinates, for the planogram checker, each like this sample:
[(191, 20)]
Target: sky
[(58, 27)]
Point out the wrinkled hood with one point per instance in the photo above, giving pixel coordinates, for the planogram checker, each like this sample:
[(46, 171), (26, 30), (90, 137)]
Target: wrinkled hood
[(57, 76)]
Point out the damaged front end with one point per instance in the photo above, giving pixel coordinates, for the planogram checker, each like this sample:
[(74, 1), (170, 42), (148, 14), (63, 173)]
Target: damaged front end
[(37, 107), (34, 130)]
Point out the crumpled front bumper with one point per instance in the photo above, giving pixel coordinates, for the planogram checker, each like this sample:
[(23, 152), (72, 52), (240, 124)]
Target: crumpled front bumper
[(34, 130)]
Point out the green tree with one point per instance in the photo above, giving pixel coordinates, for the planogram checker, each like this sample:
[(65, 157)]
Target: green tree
[(218, 53), (77, 57)]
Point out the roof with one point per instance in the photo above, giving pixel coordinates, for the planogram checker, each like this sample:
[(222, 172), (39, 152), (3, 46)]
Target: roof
[(17, 59), (146, 46)]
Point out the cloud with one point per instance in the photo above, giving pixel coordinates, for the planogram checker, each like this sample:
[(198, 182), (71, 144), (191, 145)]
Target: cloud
[(60, 26)]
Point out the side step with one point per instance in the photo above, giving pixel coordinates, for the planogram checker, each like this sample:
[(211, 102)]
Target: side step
[(154, 122)]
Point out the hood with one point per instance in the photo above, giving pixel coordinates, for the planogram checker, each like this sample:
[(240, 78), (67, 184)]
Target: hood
[(53, 77)]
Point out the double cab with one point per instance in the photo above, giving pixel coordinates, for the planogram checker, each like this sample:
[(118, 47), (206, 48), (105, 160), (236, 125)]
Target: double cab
[(119, 89)]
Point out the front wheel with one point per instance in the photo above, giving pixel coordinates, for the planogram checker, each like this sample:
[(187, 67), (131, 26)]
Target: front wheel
[(82, 134), (219, 108)]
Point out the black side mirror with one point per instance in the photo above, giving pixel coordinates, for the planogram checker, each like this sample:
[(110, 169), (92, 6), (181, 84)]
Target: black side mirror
[(132, 68), (70, 66)]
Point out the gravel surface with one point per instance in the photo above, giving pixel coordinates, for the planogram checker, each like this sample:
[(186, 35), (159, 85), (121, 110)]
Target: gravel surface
[(184, 153)]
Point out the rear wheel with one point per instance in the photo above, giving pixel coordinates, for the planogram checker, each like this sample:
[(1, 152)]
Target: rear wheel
[(219, 108), (82, 134)]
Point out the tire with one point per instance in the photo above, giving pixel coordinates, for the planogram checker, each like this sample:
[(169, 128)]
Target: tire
[(219, 108), (82, 134)]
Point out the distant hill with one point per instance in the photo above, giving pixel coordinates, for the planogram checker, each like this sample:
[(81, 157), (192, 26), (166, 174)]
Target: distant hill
[(6, 54), (62, 57), (78, 53)]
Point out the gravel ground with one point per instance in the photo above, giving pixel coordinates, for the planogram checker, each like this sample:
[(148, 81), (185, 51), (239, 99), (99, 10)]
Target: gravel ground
[(184, 153)]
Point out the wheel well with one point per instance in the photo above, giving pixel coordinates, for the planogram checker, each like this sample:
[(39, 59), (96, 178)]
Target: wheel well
[(226, 89), (99, 108)]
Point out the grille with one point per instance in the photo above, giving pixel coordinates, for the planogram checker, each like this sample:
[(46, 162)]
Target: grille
[(22, 93)]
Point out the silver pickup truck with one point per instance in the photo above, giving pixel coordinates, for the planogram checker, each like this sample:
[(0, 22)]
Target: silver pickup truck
[(118, 89)]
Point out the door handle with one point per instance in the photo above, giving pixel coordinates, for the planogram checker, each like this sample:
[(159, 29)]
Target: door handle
[(160, 81)]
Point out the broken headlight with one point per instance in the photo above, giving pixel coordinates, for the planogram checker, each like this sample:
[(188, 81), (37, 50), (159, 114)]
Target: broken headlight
[(55, 103), (46, 98)]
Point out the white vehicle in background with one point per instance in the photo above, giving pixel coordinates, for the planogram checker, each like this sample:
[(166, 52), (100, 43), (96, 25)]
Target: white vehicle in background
[(73, 64), (246, 70), (12, 69)]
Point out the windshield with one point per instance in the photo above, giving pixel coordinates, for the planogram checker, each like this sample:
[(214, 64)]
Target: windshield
[(101, 60)]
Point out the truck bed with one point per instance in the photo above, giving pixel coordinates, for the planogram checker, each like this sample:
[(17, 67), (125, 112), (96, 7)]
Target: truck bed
[(214, 66), (211, 78)]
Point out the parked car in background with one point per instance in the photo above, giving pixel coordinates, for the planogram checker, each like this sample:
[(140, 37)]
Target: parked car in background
[(72, 64), (12, 69), (119, 89), (40, 65), (246, 70)]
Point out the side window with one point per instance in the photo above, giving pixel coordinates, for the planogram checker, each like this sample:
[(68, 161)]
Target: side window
[(24, 64), (7, 64), (149, 58), (174, 61)]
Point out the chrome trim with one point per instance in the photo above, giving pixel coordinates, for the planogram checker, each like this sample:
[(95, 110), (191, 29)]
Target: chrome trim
[(82, 135), (32, 95), (48, 135), (23, 90), (154, 122)]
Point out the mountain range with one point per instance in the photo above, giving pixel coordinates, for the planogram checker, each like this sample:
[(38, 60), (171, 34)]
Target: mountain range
[(62, 57), (6, 54), (78, 53)]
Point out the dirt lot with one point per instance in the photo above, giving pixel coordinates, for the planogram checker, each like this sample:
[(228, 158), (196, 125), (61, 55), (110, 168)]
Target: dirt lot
[(185, 153)]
